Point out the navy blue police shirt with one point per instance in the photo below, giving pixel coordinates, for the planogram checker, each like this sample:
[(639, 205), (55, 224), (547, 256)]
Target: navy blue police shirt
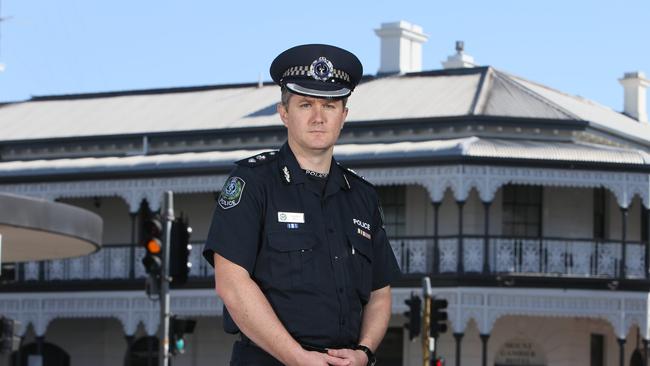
[(315, 254)]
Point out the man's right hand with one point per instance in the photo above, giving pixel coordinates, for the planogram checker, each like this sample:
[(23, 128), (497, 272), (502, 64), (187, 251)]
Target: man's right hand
[(319, 359)]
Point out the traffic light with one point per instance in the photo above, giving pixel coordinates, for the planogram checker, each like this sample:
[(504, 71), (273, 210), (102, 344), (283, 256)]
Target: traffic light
[(9, 339), (152, 243), (178, 327), (413, 315), (438, 317), (179, 251)]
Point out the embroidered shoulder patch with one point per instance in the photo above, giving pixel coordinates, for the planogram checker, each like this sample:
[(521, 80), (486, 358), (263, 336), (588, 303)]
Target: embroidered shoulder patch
[(231, 193)]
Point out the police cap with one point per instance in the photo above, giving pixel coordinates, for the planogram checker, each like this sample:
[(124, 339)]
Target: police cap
[(317, 70)]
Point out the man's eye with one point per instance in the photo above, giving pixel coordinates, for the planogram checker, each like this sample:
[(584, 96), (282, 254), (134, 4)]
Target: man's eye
[(330, 106), (304, 105)]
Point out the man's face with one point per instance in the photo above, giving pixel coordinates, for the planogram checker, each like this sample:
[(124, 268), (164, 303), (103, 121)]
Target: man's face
[(313, 124)]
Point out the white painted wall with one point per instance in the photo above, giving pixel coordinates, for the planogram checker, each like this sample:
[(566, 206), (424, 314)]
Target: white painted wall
[(567, 212), (114, 213), (633, 219), (198, 207)]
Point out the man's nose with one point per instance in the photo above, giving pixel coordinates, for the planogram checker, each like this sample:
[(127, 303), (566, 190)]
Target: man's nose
[(317, 115)]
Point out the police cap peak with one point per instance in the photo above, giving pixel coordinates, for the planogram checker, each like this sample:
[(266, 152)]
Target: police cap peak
[(317, 70)]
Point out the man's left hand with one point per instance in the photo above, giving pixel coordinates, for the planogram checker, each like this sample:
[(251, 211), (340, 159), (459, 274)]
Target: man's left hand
[(356, 357)]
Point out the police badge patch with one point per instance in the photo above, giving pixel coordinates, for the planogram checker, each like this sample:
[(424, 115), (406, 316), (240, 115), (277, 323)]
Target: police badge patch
[(231, 193)]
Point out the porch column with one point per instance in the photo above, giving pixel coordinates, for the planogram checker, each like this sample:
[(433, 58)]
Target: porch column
[(19, 352), (436, 250), (621, 352), (129, 344), (134, 216), (461, 251), (486, 237), (647, 246), (459, 338), (150, 351), (40, 341), (623, 242), (484, 342)]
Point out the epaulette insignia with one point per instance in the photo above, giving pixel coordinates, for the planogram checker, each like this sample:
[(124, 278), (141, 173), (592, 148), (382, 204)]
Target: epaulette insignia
[(354, 174), (258, 159)]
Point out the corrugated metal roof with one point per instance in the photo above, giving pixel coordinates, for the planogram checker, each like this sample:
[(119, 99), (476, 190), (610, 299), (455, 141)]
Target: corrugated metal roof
[(403, 151), (425, 95), (588, 110)]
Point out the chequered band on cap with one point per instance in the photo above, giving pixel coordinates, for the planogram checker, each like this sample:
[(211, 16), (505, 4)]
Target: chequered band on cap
[(304, 71)]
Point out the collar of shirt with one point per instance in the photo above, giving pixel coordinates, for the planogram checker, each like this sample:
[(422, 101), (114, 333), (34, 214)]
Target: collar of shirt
[(294, 174)]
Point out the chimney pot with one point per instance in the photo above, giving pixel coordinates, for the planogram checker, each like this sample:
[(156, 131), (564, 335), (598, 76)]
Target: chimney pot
[(634, 100), (460, 59)]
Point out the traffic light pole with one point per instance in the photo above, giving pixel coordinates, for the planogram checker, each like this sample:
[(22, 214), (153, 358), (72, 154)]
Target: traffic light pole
[(167, 219), (426, 323)]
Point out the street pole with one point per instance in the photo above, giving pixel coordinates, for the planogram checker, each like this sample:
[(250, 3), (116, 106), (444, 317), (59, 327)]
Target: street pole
[(167, 218), (427, 342)]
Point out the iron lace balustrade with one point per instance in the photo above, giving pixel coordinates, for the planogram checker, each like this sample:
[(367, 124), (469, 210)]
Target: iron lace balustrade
[(522, 256), (418, 255)]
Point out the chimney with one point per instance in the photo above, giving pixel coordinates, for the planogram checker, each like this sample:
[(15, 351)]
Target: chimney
[(634, 86), (460, 59), (401, 47)]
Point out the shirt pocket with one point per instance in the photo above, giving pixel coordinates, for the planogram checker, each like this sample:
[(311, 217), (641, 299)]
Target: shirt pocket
[(292, 258), (361, 265)]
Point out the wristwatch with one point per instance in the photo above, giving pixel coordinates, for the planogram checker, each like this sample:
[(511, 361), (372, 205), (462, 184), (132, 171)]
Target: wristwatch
[(371, 356)]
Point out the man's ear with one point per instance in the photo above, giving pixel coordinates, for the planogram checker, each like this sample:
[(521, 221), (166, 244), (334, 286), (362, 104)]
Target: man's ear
[(345, 117), (282, 111)]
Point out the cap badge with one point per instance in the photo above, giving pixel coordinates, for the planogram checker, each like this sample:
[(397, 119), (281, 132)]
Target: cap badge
[(321, 69)]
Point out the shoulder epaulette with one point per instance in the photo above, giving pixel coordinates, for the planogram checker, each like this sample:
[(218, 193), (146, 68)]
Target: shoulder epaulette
[(259, 159), (354, 174)]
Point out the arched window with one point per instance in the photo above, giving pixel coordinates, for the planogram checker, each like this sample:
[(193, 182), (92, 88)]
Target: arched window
[(53, 355), (143, 352)]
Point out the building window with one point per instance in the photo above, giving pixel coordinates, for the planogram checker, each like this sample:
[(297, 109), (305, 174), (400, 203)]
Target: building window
[(393, 203), (522, 211), (600, 214), (597, 350)]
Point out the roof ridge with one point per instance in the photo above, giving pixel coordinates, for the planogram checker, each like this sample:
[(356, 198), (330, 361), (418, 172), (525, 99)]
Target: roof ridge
[(509, 79), (482, 91)]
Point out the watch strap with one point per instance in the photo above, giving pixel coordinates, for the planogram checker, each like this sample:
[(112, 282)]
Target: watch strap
[(371, 356)]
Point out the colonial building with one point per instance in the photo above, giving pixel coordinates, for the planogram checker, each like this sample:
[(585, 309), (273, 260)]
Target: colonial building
[(526, 206)]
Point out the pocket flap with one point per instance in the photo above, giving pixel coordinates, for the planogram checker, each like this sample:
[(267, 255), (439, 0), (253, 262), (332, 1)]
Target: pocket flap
[(361, 245), (291, 241)]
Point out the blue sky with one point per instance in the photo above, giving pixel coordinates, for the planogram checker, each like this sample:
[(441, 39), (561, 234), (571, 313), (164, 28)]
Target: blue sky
[(76, 46)]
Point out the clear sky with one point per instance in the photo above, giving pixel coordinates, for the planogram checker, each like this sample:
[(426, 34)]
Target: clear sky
[(76, 46)]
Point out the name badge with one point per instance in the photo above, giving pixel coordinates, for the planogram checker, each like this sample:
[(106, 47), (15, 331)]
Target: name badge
[(292, 217)]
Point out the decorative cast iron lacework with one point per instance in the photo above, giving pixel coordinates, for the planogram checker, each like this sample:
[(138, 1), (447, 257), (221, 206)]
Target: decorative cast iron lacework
[(416, 255)]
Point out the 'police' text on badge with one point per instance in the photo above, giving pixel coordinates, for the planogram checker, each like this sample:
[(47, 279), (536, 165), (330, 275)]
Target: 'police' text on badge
[(231, 193)]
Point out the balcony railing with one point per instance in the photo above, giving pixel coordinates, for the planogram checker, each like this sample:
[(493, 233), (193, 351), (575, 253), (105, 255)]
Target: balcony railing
[(526, 256), (540, 257)]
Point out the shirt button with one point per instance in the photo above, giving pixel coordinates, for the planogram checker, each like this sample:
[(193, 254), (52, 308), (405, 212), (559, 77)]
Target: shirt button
[(336, 257)]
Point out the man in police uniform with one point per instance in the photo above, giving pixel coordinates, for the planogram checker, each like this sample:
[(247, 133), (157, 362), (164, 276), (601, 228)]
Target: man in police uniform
[(301, 258)]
